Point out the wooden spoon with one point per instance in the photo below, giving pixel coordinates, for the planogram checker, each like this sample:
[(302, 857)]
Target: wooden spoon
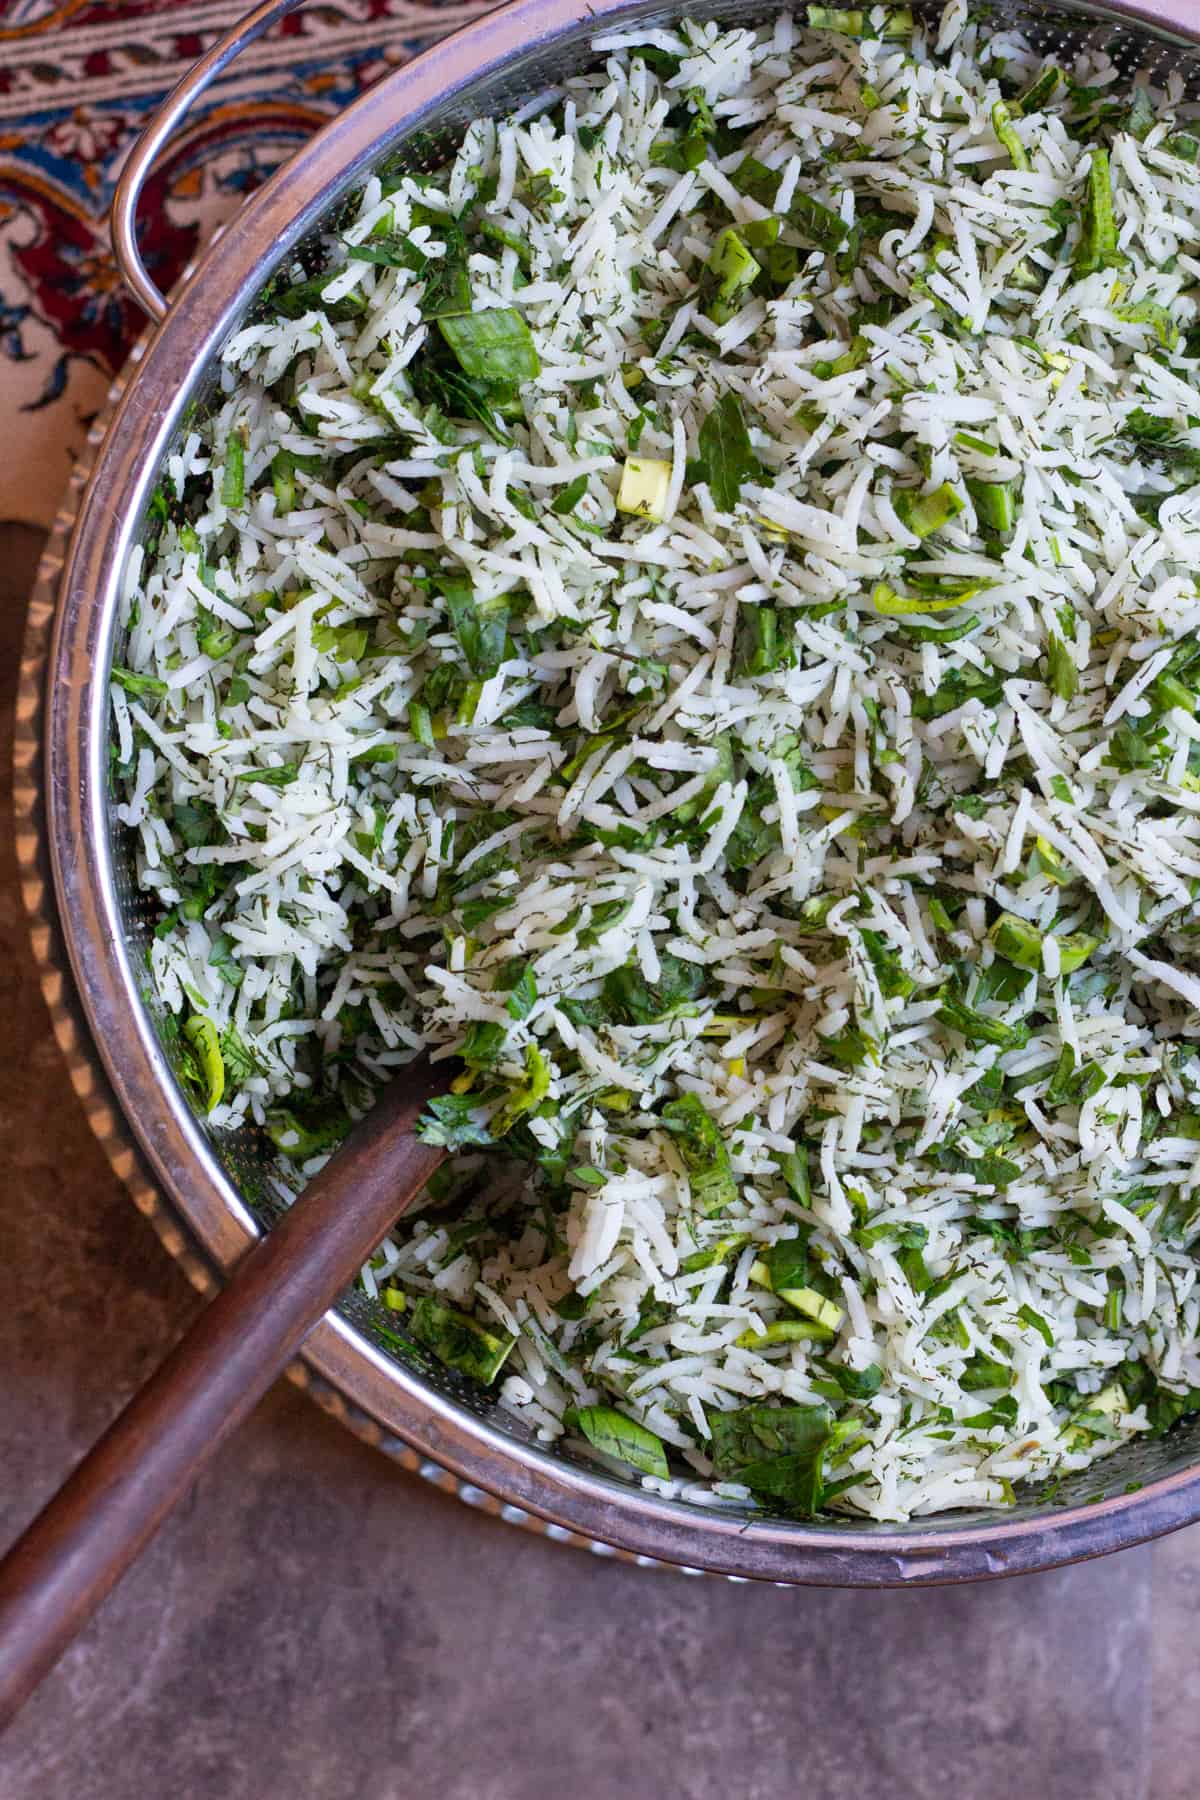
[(59, 1571)]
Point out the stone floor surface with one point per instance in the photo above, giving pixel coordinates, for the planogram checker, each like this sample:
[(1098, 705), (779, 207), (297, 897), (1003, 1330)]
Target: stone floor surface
[(313, 1622)]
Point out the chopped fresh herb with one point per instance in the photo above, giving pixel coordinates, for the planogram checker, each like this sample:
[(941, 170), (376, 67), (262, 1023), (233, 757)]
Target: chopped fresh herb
[(632, 1000), (570, 496), (1062, 674), (280, 777), (1029, 1317), (523, 1099), (726, 454), (522, 994), (452, 1121), (221, 958), (239, 1060), (1023, 944), (983, 1372), (817, 222), (481, 630), (135, 684), (705, 1158), (309, 296), (857, 1384), (619, 1436), (1150, 313), (776, 1451)]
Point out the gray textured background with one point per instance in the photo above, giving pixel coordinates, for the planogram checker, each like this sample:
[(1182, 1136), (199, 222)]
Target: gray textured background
[(314, 1622)]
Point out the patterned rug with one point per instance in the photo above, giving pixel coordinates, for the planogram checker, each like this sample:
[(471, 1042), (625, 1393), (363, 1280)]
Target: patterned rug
[(78, 80)]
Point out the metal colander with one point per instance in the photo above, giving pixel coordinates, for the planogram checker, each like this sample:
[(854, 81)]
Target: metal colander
[(216, 1181)]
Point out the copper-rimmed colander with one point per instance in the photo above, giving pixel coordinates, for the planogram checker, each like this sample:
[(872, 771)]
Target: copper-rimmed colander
[(215, 1182)]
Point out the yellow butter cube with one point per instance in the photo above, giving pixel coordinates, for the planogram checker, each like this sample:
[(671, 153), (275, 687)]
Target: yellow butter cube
[(645, 484)]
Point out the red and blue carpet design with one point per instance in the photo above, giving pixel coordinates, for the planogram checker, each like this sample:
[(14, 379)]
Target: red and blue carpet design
[(78, 80)]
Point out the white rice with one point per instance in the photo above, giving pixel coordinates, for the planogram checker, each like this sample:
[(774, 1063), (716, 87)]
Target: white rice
[(331, 915)]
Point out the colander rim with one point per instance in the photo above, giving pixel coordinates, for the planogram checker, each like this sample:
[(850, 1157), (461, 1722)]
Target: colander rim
[(582, 1500)]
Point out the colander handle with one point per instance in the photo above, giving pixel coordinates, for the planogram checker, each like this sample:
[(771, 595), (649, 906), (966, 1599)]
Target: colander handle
[(171, 113)]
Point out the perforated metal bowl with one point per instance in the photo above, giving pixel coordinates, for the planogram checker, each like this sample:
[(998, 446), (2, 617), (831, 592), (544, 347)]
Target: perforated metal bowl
[(216, 1181)]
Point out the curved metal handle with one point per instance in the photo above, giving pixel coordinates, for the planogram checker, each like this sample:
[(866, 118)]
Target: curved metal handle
[(1164, 14), (169, 115)]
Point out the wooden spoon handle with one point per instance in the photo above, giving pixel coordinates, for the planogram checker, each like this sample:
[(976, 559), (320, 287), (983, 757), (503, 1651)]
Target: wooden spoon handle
[(58, 1573)]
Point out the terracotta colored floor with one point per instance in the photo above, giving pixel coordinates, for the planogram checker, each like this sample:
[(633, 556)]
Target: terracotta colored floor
[(313, 1622)]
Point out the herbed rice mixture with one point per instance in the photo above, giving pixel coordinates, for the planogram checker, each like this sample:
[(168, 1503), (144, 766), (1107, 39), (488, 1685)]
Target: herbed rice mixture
[(697, 616)]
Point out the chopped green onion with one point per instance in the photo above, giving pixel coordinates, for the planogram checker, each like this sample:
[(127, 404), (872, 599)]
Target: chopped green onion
[(495, 347), (136, 684), (201, 1033), (892, 605), (233, 479), (785, 1331), (1019, 942), (1112, 1304), (489, 229), (926, 514), (732, 264), (420, 723), (1097, 246), (982, 1028), (1034, 98), (712, 1258), (1005, 130), (995, 504), (460, 1341), (813, 1305)]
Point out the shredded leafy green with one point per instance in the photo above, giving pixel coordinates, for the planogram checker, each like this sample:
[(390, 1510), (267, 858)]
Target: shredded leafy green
[(618, 1435), (705, 1157), (726, 455), (776, 1451)]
